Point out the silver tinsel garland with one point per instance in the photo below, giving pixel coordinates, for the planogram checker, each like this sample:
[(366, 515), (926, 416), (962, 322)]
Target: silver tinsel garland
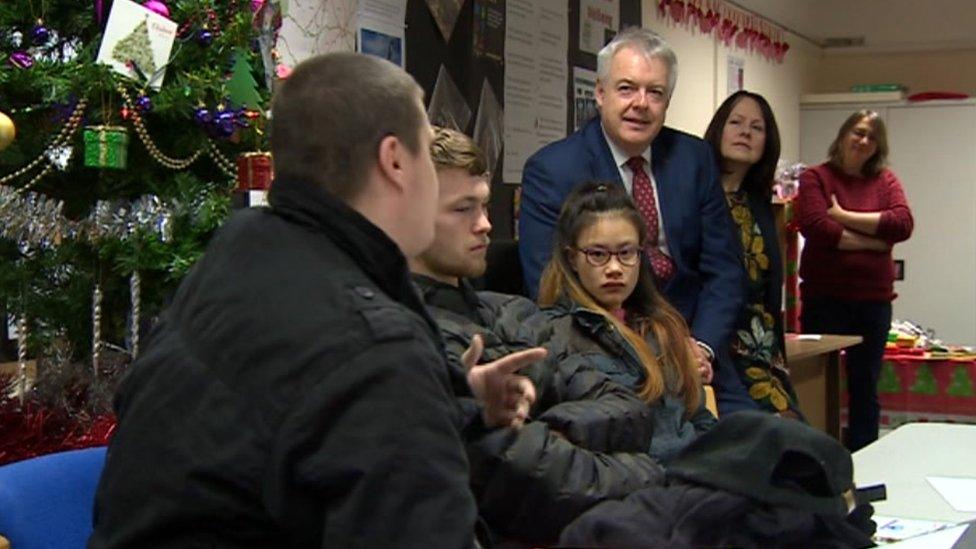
[(35, 220)]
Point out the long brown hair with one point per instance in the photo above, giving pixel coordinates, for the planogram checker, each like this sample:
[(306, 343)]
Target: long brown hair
[(759, 179), (879, 160), (645, 305)]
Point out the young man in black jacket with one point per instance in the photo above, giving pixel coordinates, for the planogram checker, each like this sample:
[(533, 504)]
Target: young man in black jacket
[(586, 439), (296, 392)]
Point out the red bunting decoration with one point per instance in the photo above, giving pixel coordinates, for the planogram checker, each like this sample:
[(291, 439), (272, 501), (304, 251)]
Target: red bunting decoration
[(734, 28), (677, 10)]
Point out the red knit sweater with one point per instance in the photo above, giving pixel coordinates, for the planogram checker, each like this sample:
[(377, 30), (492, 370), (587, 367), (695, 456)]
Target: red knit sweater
[(857, 275)]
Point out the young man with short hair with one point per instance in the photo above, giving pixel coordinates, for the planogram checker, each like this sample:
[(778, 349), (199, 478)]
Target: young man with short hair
[(586, 439)]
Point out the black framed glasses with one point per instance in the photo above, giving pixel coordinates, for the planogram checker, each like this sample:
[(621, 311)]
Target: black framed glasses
[(598, 257)]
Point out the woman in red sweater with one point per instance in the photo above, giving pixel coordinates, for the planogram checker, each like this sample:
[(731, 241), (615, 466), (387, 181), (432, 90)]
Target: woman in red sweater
[(851, 210)]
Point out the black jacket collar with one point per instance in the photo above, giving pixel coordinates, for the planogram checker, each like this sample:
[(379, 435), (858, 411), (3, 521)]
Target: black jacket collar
[(379, 257), (460, 299)]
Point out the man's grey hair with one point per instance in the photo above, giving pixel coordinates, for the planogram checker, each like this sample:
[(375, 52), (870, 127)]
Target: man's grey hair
[(644, 41)]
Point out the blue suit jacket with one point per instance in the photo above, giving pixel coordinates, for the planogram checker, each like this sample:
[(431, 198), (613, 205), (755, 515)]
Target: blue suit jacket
[(709, 284)]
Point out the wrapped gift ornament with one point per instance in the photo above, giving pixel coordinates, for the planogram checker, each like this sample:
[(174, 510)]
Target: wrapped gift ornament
[(106, 147), (254, 171)]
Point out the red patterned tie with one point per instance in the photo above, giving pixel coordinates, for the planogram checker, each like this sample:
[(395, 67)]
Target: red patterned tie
[(662, 265)]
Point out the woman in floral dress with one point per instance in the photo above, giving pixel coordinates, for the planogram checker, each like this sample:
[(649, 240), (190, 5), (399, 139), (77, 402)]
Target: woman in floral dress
[(745, 139)]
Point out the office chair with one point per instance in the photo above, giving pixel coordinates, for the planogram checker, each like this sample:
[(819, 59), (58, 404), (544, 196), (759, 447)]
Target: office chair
[(46, 502)]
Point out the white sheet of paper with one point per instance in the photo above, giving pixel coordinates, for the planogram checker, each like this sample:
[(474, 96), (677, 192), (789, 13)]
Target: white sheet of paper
[(536, 77), (943, 539), (809, 337), (896, 529), (959, 492), (257, 198)]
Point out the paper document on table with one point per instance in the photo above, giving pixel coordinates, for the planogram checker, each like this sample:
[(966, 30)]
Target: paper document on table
[(809, 337), (959, 492), (892, 529), (942, 539)]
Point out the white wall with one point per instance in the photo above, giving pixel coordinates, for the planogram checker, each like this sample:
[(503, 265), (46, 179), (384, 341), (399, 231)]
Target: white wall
[(702, 69)]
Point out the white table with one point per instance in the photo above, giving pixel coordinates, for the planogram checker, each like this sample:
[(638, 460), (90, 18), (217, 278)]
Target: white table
[(903, 458)]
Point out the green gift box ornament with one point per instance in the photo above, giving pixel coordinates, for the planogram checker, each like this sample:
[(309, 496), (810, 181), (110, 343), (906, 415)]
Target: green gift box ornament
[(106, 147)]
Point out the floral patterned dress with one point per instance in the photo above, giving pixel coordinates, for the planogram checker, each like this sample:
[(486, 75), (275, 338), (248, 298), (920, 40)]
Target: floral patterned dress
[(756, 349)]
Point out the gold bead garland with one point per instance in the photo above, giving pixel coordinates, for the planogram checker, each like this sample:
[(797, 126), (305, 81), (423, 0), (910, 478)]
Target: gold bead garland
[(221, 161), (68, 131), (63, 137), (154, 152)]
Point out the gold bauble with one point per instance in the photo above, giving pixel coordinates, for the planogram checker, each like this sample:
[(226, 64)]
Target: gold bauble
[(7, 131)]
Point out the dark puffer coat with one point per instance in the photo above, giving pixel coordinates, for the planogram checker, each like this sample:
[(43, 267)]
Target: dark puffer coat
[(585, 334), (587, 437)]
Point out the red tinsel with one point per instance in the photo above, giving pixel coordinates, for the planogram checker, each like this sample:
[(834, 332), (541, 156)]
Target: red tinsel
[(29, 430), (732, 27), (66, 406)]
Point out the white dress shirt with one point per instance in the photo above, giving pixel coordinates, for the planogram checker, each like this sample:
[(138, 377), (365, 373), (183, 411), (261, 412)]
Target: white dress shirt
[(620, 158)]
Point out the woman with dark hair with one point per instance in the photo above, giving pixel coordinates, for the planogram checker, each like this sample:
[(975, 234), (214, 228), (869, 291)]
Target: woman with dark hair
[(745, 139), (600, 293), (851, 210)]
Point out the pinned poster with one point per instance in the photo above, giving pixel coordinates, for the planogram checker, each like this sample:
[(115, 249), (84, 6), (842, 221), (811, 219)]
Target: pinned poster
[(736, 74), (308, 29), (137, 42), (599, 23), (381, 40), (488, 34), (380, 29), (584, 96)]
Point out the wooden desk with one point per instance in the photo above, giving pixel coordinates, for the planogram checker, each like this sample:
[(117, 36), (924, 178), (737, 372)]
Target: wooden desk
[(815, 372)]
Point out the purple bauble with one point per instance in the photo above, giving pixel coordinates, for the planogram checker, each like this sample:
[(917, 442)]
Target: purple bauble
[(156, 6), (224, 122), (39, 35), (143, 103), (204, 37), (202, 116), (21, 59)]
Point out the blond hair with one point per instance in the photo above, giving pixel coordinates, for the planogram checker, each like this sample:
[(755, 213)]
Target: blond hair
[(452, 149)]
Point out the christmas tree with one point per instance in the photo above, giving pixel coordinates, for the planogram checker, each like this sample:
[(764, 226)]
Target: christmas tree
[(925, 383), (138, 48), (242, 88), (89, 255), (961, 384), (888, 381)]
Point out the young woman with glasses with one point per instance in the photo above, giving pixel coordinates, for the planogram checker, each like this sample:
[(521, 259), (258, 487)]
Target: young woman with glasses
[(599, 291)]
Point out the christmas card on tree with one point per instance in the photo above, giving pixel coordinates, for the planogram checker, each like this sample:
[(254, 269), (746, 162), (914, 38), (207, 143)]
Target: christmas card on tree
[(137, 42)]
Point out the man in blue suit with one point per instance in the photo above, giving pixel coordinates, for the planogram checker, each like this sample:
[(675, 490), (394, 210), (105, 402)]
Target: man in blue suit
[(691, 247)]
